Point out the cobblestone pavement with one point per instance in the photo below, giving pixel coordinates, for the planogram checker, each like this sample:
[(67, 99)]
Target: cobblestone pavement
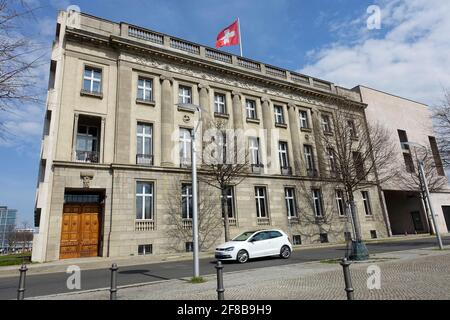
[(409, 275)]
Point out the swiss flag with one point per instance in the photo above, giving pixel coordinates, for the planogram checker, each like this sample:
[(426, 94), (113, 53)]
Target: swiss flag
[(228, 36)]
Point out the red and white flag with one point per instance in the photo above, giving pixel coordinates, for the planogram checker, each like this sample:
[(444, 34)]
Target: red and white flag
[(229, 36)]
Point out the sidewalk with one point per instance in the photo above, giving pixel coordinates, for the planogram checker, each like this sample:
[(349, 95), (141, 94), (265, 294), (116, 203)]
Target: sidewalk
[(406, 275), (103, 263)]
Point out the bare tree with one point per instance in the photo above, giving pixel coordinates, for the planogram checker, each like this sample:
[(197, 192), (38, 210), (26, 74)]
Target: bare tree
[(441, 117), (225, 163), (19, 57), (313, 224), (357, 154), (180, 228), (11, 237)]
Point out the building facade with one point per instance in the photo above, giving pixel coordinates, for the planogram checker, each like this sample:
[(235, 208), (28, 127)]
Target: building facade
[(411, 130), (7, 225), (116, 147)]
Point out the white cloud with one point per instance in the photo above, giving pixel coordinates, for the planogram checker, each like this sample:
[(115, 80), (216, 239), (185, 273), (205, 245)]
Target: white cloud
[(409, 57)]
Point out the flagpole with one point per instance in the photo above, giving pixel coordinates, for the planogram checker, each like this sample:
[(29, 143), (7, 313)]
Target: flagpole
[(240, 38)]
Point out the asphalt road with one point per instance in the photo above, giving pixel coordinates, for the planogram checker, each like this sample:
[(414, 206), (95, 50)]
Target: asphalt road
[(45, 284)]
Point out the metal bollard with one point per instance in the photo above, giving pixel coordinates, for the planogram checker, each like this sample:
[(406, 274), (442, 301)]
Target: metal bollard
[(21, 291), (347, 278), (220, 289), (113, 290)]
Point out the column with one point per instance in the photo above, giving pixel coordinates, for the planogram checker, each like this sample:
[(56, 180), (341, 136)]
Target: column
[(295, 138), (205, 104), (167, 120), (267, 124), (123, 115), (102, 141), (238, 122), (74, 137)]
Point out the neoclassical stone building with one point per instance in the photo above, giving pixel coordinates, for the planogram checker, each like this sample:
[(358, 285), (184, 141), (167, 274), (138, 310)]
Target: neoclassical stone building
[(115, 150)]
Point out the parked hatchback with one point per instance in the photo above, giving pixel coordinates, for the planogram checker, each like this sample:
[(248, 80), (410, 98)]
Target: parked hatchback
[(255, 244)]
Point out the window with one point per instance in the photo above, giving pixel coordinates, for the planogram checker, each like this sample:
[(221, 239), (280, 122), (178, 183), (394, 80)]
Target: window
[(250, 106), (373, 234), (403, 139), (220, 105), (185, 146), (309, 158), (317, 202), (261, 202), (436, 156), (186, 201), (144, 249), (145, 89), (144, 201), (283, 154), (296, 239), (254, 151), (358, 165), (184, 94), (265, 235), (92, 80), (304, 122), (279, 116), (326, 123), (352, 128), (52, 75), (274, 234), (230, 201), (144, 144), (340, 202), (291, 205), (189, 246), (87, 143), (221, 147), (332, 160), (347, 236), (324, 238), (366, 202), (409, 163)]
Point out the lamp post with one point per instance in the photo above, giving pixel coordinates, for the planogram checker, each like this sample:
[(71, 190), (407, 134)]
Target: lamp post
[(194, 185), (427, 191)]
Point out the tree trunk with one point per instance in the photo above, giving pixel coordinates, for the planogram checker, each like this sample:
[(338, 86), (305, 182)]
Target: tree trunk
[(427, 213), (355, 216), (226, 222)]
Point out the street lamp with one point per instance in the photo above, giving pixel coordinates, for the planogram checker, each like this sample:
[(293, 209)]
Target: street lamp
[(194, 108), (427, 191)]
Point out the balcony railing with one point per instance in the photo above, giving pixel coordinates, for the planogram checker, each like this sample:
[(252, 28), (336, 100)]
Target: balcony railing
[(232, 222), (185, 162), (257, 168), (144, 225), (293, 220), (263, 221), (312, 173), (145, 35), (186, 223), (87, 156), (184, 46), (144, 159), (286, 171)]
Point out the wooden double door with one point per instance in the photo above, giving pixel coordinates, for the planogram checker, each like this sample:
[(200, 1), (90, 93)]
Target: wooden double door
[(80, 231)]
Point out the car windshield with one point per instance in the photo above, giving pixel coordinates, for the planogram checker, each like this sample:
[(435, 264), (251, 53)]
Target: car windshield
[(244, 236)]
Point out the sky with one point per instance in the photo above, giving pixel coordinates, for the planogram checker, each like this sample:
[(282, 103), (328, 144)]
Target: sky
[(329, 39)]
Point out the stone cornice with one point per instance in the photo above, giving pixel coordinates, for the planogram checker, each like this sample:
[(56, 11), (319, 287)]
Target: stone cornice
[(270, 83)]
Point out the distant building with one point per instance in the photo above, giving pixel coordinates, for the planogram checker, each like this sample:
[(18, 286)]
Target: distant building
[(7, 225)]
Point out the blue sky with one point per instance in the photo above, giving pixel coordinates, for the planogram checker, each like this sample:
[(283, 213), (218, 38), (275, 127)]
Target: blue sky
[(408, 56)]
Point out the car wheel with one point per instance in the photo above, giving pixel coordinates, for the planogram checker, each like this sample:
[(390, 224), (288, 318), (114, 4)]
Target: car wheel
[(242, 256), (285, 252)]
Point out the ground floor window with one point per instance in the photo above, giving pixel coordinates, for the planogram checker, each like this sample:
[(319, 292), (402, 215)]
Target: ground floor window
[(144, 249), (144, 200), (297, 239)]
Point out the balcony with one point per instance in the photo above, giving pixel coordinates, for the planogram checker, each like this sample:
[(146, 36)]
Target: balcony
[(185, 163), (286, 171), (87, 156), (263, 221), (186, 223), (312, 173), (144, 159), (257, 168), (144, 225), (293, 220), (232, 222)]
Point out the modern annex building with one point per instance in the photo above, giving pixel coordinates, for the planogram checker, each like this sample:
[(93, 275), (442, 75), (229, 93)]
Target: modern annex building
[(115, 153), (410, 122)]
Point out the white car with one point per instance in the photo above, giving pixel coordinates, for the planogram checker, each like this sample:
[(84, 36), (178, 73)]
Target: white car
[(255, 244)]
